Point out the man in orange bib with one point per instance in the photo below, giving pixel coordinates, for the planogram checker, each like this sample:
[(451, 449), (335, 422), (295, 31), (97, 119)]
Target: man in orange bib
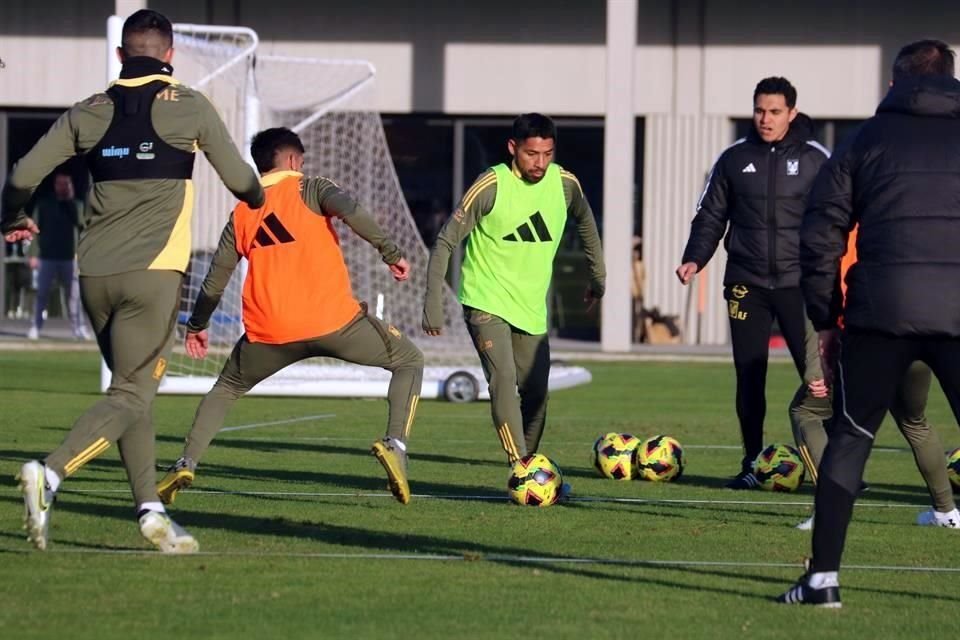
[(298, 303)]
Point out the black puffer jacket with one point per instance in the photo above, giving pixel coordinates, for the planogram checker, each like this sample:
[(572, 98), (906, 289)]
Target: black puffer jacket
[(899, 179), (761, 190)]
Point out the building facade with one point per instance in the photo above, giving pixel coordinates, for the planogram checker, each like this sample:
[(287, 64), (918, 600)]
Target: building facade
[(452, 74)]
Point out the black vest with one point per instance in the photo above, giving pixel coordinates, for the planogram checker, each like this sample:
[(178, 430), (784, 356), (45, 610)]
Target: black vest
[(131, 149)]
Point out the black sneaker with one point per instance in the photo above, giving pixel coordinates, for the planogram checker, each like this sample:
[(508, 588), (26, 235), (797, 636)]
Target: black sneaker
[(743, 480), (803, 593)]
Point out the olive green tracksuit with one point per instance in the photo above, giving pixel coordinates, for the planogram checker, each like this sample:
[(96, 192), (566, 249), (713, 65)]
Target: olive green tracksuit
[(506, 322), (364, 340), (136, 245), (808, 416)]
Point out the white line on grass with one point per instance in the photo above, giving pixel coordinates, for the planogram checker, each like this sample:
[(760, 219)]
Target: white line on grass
[(492, 557), (562, 443), (255, 425), (207, 493)]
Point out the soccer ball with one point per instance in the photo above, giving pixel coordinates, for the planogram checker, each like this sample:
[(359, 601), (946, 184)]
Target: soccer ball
[(535, 481), (779, 467), (659, 458), (613, 455), (953, 468)]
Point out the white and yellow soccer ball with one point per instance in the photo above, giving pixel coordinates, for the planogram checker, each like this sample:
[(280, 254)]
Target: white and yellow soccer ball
[(779, 467), (613, 455), (953, 468), (535, 481), (659, 459)]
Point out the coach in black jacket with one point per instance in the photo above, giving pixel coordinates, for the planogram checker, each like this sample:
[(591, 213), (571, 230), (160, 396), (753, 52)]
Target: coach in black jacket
[(899, 179), (756, 194)]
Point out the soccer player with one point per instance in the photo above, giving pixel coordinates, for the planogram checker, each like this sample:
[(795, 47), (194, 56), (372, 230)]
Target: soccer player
[(513, 218), (138, 138), (807, 418), (298, 304), (755, 195), (898, 181)]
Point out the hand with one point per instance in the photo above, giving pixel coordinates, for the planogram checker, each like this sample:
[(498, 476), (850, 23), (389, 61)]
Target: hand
[(400, 270), (33, 262), (818, 388), (432, 326), (687, 271), (25, 230), (829, 351), (196, 344), (590, 298)]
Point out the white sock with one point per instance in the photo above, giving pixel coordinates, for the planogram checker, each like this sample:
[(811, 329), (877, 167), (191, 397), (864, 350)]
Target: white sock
[(400, 444), (151, 506), (824, 579), (53, 480)]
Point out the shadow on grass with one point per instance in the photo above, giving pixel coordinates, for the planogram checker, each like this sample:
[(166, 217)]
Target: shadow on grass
[(369, 540), (301, 446)]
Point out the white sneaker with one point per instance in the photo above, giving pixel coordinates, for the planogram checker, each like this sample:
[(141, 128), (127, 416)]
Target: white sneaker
[(82, 333), (166, 534), (806, 525), (931, 518), (37, 500), (33, 334)]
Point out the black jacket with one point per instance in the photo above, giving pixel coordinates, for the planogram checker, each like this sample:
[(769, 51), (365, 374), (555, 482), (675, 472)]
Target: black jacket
[(899, 179), (761, 190)]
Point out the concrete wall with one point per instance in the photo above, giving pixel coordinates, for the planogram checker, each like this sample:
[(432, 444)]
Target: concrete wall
[(693, 56)]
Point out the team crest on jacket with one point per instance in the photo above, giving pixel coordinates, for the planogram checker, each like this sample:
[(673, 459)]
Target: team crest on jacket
[(793, 167)]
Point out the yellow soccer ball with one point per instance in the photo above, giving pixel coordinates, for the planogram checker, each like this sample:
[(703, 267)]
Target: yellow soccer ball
[(613, 455), (659, 459), (535, 481), (953, 468), (779, 467)]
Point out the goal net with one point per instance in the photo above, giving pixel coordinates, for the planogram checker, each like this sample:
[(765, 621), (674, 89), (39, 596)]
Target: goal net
[(329, 104)]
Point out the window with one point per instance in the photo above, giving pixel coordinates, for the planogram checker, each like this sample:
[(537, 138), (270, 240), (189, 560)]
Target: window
[(422, 152)]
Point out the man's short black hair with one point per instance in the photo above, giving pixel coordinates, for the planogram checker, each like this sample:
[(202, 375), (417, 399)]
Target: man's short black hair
[(924, 58), (533, 125), (146, 33), (774, 85), (269, 142)]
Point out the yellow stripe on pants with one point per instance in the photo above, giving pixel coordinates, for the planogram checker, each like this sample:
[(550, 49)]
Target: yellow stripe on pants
[(85, 456), (808, 462), (506, 439), (413, 411)]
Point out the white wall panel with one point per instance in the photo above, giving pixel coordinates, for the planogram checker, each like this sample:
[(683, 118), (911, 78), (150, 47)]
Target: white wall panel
[(51, 72), (679, 152)]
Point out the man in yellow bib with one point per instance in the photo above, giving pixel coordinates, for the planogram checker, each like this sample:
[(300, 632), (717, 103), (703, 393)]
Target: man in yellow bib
[(513, 219)]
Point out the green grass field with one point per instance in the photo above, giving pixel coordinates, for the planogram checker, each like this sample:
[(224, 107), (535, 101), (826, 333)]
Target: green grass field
[(300, 539)]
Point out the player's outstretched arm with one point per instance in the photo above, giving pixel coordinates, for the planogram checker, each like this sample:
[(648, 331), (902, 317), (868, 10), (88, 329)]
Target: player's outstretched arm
[(224, 261), (215, 142), (324, 197), (477, 202), (579, 209)]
